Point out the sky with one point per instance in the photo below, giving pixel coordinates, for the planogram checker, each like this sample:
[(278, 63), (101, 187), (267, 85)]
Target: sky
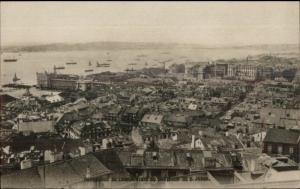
[(206, 23)]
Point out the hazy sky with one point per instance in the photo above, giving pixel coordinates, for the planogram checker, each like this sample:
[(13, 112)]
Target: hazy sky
[(207, 23)]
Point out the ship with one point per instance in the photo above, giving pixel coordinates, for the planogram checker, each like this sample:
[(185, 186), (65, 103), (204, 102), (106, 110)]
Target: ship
[(10, 60), (59, 68), (130, 70), (103, 65), (89, 70), (71, 63)]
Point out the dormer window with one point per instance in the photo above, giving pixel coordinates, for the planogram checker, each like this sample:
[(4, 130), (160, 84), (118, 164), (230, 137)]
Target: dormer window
[(189, 158), (188, 155), (154, 156)]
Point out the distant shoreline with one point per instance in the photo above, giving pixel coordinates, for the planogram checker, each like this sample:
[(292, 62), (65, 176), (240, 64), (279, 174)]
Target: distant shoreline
[(63, 47)]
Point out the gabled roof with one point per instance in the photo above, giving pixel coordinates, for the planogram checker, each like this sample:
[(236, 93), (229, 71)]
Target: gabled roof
[(282, 136)]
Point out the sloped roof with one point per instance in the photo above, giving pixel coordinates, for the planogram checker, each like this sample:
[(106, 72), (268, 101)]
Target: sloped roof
[(80, 165), (57, 175), (196, 157), (23, 143), (182, 118), (110, 158), (164, 159), (60, 174), (27, 178), (282, 136)]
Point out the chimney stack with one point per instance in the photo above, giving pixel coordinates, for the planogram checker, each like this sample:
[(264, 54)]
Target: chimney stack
[(88, 173), (193, 142)]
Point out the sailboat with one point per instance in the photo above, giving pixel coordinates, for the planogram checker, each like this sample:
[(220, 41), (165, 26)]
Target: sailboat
[(15, 79), (98, 65)]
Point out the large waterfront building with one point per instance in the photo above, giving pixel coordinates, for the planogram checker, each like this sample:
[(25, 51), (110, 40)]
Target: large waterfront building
[(56, 81)]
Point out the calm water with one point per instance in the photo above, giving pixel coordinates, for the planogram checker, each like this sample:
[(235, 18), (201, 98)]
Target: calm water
[(30, 63)]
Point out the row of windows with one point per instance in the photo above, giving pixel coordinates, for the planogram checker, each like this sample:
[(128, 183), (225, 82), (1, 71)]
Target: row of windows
[(280, 149)]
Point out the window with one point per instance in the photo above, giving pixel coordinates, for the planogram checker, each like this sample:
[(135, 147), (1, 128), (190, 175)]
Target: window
[(291, 150), (269, 148), (279, 149)]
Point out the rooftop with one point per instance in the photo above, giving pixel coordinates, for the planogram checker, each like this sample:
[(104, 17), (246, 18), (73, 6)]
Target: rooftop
[(282, 136)]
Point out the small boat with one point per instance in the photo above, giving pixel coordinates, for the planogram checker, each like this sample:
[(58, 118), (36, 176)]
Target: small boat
[(90, 63), (141, 55), (109, 60), (71, 63), (89, 70), (10, 60)]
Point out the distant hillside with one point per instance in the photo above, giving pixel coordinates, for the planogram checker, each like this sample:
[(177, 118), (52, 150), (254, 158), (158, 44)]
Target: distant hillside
[(133, 45)]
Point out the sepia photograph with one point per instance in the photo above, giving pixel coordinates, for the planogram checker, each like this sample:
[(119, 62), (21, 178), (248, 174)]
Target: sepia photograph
[(149, 94)]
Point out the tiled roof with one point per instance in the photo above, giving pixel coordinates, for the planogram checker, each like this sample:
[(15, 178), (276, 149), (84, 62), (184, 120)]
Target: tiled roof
[(27, 178), (282, 136), (57, 174), (194, 161), (182, 118), (164, 159), (23, 143), (110, 158)]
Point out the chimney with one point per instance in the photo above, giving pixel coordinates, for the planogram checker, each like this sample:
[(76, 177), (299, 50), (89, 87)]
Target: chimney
[(193, 142), (201, 133), (88, 173)]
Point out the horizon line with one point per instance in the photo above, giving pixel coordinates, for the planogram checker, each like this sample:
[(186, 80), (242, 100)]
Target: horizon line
[(141, 42)]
